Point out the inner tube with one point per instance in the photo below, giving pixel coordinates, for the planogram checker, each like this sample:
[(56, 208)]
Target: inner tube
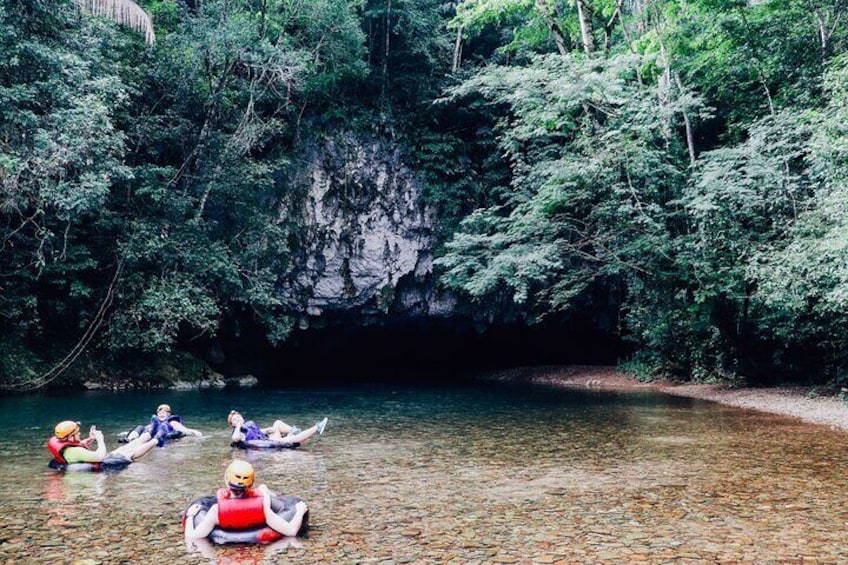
[(171, 436), (111, 463), (264, 444), (282, 505), (123, 437)]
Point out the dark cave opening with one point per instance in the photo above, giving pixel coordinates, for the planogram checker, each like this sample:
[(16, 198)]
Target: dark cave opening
[(410, 351)]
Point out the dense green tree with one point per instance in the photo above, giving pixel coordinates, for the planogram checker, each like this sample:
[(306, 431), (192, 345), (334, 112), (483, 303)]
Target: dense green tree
[(408, 50), (591, 173), (693, 302), (230, 83), (60, 154), (162, 162), (801, 293), (683, 159)]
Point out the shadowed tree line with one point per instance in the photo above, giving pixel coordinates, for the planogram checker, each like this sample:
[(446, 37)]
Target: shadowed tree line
[(684, 159)]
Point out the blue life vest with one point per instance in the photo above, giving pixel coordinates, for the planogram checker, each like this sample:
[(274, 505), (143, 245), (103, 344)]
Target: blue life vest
[(163, 430), (251, 431)]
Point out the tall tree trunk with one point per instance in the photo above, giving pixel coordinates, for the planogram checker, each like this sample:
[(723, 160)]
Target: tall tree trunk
[(664, 93), (457, 50), (664, 90), (630, 45), (610, 26), (386, 53), (370, 51), (263, 12), (551, 17), (457, 46), (587, 30), (690, 136), (639, 11), (824, 32)]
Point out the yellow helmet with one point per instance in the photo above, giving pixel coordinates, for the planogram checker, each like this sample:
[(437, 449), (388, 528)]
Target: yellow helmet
[(163, 407), (66, 429), (239, 475)]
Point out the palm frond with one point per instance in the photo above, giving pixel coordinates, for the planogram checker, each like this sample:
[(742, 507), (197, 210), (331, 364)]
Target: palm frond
[(125, 12)]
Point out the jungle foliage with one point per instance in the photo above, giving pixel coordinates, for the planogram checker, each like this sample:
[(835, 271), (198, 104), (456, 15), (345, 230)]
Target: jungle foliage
[(689, 158)]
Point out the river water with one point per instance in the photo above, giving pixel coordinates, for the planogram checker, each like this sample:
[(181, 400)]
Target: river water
[(468, 475)]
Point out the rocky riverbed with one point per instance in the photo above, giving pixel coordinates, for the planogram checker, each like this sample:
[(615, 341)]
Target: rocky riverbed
[(805, 403), (462, 475)]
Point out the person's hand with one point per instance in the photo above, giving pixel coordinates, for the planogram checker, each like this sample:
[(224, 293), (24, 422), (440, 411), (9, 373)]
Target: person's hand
[(264, 490), (193, 510), (301, 507), (92, 430)]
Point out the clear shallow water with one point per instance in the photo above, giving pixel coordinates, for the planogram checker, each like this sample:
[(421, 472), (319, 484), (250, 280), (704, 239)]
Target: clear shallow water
[(434, 475)]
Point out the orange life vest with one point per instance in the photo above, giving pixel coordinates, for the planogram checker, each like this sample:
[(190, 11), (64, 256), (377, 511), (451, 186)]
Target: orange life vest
[(57, 446)]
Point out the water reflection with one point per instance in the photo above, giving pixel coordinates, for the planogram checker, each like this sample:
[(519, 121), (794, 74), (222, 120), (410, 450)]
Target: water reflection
[(241, 555), (61, 511), (476, 475), (68, 495)]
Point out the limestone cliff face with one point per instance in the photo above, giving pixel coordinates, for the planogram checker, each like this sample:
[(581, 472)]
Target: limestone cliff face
[(366, 239), (362, 291)]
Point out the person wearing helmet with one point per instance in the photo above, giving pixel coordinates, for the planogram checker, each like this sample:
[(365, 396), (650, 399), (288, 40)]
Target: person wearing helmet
[(163, 426), (68, 448), (239, 506), (248, 430)]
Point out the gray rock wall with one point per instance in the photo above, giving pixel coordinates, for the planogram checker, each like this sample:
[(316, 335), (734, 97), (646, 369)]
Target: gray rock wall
[(367, 238)]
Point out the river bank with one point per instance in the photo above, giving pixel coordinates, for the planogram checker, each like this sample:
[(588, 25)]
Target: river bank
[(805, 403)]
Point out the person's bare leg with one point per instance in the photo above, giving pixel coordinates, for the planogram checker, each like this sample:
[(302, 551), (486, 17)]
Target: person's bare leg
[(143, 438), (308, 433), (135, 433), (279, 430), (136, 448)]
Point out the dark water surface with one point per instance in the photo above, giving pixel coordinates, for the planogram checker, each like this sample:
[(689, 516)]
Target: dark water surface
[(482, 475)]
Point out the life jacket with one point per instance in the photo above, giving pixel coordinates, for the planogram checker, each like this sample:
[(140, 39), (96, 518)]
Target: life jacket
[(162, 426), (163, 430), (240, 513), (251, 431), (57, 446)]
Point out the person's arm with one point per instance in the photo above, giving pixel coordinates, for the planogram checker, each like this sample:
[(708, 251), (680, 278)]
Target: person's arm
[(183, 429), (277, 522), (237, 422), (206, 525), (83, 455)]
